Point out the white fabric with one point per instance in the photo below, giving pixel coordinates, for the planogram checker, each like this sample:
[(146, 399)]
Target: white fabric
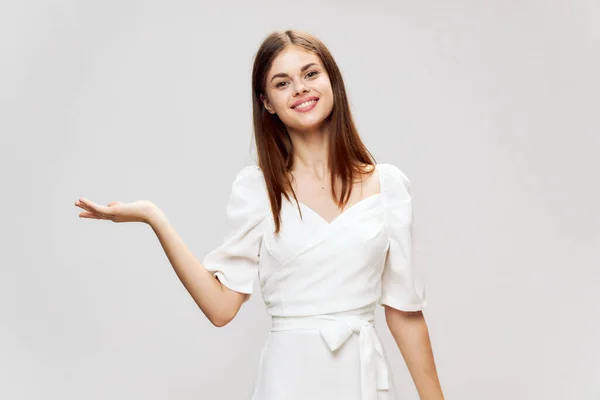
[(321, 283)]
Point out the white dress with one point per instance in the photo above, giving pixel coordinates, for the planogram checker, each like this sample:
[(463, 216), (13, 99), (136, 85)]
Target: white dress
[(321, 283)]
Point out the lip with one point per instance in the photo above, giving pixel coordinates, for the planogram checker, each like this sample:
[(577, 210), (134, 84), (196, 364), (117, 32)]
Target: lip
[(297, 103)]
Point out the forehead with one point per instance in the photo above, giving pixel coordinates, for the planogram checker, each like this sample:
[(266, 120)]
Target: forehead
[(291, 59)]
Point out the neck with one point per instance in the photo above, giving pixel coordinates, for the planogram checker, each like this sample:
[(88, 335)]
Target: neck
[(311, 151)]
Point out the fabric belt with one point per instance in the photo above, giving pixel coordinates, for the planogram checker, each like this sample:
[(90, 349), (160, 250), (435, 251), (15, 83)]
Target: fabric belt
[(335, 331)]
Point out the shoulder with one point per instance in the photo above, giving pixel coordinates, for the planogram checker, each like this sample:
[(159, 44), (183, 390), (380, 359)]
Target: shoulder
[(393, 179), (248, 189), (249, 173), (395, 191), (250, 178)]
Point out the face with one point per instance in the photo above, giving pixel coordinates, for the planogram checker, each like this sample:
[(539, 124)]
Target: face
[(298, 90)]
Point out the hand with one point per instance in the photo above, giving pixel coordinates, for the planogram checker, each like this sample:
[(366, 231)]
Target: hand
[(138, 211)]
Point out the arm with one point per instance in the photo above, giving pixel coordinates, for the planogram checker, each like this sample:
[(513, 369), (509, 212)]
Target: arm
[(218, 303), (411, 334)]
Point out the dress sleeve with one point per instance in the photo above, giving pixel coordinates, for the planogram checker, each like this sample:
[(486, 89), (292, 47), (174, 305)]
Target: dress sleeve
[(235, 261), (402, 286)]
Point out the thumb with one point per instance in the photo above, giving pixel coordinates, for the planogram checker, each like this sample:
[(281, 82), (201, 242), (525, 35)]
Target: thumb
[(114, 203)]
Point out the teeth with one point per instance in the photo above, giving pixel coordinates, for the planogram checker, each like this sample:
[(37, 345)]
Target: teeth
[(306, 104)]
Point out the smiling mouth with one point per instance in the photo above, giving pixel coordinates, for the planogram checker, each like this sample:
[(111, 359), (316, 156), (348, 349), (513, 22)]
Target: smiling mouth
[(305, 105)]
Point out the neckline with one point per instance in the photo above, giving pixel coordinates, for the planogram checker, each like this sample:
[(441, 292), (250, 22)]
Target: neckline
[(340, 215), (353, 206)]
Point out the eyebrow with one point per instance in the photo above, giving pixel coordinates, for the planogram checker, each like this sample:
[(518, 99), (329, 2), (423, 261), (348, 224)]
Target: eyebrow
[(284, 75)]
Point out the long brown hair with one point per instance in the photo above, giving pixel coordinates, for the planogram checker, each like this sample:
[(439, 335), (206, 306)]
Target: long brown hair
[(347, 153)]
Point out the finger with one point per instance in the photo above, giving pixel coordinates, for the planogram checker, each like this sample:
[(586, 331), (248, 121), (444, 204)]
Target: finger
[(85, 203), (86, 214), (114, 203), (95, 208), (83, 206)]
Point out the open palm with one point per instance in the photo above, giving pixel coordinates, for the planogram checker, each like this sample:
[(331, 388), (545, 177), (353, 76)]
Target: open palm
[(116, 211)]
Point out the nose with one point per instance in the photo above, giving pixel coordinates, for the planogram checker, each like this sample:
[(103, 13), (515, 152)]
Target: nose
[(300, 87)]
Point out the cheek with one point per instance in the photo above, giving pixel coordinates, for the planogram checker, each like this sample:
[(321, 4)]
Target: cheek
[(275, 103), (279, 102), (325, 88)]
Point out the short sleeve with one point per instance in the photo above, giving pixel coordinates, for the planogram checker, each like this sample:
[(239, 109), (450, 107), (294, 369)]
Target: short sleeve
[(235, 261), (402, 284)]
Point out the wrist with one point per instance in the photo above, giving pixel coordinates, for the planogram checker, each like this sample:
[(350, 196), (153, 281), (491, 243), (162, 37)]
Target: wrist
[(153, 215)]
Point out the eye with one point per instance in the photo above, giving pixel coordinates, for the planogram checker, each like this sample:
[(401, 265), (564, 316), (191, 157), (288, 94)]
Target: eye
[(308, 75)]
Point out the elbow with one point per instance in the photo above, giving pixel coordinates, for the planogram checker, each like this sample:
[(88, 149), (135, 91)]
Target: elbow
[(226, 308), (218, 323), (220, 320)]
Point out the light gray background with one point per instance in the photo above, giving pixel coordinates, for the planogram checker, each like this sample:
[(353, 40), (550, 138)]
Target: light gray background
[(489, 107)]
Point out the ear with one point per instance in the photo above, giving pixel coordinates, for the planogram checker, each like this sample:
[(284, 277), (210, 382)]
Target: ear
[(267, 104)]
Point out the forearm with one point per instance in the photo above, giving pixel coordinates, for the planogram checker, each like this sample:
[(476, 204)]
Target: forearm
[(411, 334), (204, 288)]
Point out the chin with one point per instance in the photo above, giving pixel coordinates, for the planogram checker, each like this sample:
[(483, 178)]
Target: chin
[(308, 123), (303, 126)]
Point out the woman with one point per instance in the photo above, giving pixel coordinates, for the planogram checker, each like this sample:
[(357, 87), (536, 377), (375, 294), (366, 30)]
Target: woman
[(327, 230)]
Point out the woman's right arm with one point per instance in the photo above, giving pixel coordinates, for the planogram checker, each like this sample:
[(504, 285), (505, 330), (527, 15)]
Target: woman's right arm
[(219, 303)]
